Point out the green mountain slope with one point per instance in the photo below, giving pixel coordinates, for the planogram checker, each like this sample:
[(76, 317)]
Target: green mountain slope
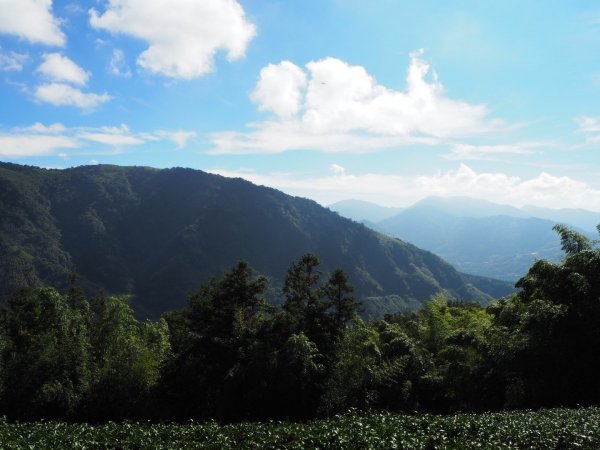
[(159, 234)]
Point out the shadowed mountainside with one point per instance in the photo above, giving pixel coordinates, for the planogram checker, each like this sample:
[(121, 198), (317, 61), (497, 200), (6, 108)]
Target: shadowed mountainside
[(159, 234)]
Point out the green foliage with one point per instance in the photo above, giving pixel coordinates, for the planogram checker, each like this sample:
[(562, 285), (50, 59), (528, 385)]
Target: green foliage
[(374, 368), (45, 358), (60, 359), (128, 357), (340, 296), (544, 429), (550, 330), (571, 241), (230, 356), (217, 352)]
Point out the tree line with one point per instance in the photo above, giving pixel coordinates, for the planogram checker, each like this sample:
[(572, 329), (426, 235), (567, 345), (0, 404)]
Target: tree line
[(232, 356)]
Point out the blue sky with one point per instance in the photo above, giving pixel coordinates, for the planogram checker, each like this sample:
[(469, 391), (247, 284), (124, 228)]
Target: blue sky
[(385, 101)]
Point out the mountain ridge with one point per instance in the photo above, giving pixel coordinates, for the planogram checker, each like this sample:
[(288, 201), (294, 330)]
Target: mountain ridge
[(159, 233)]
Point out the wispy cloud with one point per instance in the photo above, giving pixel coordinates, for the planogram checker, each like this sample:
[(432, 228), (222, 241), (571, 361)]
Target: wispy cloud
[(183, 35), (12, 61), (117, 65), (335, 106), (589, 126), (112, 136), (179, 137), (54, 139), (492, 152)]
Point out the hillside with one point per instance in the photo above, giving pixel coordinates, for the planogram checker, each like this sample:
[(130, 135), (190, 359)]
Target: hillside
[(159, 234)]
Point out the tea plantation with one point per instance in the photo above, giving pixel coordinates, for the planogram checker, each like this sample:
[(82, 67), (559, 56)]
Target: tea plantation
[(543, 429)]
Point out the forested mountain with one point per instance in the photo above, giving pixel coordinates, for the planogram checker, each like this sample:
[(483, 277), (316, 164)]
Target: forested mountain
[(159, 234)]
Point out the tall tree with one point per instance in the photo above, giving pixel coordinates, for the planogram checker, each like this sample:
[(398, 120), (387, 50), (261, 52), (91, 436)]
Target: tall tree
[(215, 335), (340, 295), (128, 357), (46, 359)]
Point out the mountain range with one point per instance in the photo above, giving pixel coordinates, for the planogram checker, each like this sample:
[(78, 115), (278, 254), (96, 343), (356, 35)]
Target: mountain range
[(478, 236), (159, 234)]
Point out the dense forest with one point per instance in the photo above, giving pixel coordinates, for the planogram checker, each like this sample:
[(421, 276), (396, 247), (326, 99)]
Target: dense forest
[(230, 355)]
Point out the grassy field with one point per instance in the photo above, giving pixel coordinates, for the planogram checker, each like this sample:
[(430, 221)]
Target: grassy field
[(544, 429)]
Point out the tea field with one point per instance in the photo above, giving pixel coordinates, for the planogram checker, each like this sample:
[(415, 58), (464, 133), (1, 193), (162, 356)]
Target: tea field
[(544, 429)]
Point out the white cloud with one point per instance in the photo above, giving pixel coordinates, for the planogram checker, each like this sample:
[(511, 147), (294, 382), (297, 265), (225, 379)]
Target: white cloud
[(276, 137), (337, 170), (279, 89), (343, 108), (183, 35), (401, 190), (487, 152), (40, 139), (31, 20), (590, 127), (57, 67), (48, 129), (113, 136), (61, 94), (180, 137), (22, 145), (12, 61), (117, 65)]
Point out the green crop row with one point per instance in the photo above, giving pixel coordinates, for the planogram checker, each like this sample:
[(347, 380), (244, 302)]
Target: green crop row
[(544, 429)]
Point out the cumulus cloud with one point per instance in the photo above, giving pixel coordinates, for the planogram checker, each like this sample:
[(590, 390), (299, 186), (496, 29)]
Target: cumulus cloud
[(60, 94), (335, 106), (31, 20), (117, 65), (182, 35), (57, 67), (66, 78), (280, 89), (545, 189), (12, 61)]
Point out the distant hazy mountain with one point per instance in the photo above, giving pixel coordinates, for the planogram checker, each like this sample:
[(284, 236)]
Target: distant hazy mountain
[(159, 234), (476, 236), (362, 211), (586, 220), (467, 207)]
